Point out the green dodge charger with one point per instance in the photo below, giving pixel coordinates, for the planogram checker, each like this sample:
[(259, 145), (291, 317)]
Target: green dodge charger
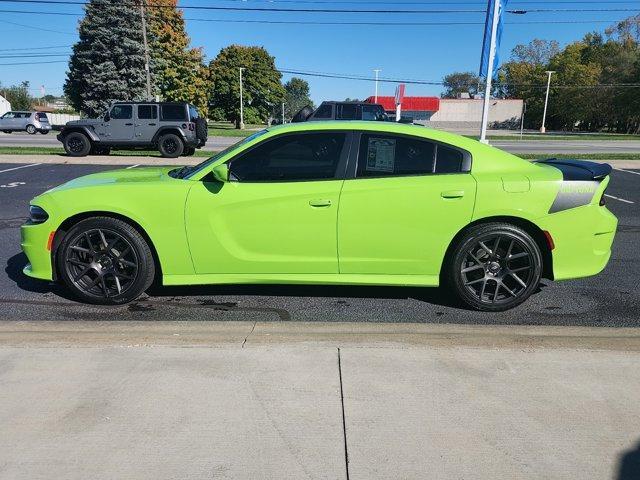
[(360, 203)]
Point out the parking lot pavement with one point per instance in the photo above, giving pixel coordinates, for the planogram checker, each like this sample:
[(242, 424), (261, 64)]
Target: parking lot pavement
[(609, 299), (309, 411)]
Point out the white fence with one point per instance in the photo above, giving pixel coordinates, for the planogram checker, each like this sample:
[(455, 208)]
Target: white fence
[(61, 118)]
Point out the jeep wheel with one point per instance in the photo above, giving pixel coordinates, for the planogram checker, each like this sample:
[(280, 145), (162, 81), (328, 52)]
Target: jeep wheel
[(76, 144), (7, 131), (170, 145), (44, 132), (31, 130)]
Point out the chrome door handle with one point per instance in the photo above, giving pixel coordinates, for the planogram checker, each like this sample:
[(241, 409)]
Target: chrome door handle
[(452, 194), (320, 203)]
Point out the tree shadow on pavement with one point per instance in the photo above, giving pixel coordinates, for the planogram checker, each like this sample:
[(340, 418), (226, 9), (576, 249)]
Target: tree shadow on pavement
[(629, 466)]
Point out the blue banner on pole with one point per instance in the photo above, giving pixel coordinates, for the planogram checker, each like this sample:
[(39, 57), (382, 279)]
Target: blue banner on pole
[(486, 43)]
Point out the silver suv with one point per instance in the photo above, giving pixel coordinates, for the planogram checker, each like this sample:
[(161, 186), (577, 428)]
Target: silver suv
[(172, 128), (30, 122)]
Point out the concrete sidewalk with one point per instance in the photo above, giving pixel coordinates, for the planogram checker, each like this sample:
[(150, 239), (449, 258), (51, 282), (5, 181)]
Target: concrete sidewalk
[(244, 400)]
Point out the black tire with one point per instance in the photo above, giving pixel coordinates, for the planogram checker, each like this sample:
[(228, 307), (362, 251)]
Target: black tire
[(105, 261), (44, 132), (76, 144), (494, 267), (189, 151), (95, 150), (7, 131), (31, 129), (170, 145)]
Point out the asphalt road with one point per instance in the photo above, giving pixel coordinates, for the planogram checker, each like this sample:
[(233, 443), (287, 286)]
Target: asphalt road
[(513, 146), (609, 299)]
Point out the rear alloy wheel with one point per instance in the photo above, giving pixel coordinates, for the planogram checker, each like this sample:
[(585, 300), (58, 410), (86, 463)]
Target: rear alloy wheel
[(105, 261), (170, 145), (76, 144), (495, 267), (31, 130)]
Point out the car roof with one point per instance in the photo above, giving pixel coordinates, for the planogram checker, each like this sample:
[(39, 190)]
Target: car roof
[(123, 102)]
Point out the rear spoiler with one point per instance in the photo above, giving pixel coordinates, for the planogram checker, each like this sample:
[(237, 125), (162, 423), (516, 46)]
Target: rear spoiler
[(579, 170)]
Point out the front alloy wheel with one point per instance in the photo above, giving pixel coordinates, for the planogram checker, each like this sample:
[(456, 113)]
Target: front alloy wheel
[(106, 261), (496, 267)]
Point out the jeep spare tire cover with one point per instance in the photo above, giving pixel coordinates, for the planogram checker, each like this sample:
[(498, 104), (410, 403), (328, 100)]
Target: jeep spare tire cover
[(202, 131), (302, 115)]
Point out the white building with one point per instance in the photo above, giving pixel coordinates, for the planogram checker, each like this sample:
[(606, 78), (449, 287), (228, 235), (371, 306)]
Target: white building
[(5, 106)]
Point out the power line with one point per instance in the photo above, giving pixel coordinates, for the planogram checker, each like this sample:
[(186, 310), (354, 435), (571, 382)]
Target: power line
[(336, 23), (335, 10), (34, 63), (33, 48), (41, 29)]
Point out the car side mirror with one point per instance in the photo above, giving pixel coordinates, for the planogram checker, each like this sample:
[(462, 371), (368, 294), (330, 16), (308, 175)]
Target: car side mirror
[(107, 117), (221, 172)]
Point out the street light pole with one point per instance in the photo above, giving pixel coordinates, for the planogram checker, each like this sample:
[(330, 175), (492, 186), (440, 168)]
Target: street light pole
[(241, 102), (377, 70), (492, 56), (146, 50), (546, 101)]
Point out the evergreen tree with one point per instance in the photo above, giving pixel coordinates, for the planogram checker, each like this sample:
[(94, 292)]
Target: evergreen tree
[(108, 61), (179, 71), (262, 90)]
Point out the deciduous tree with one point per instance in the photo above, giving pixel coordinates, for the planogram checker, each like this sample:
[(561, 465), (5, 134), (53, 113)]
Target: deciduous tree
[(262, 89)]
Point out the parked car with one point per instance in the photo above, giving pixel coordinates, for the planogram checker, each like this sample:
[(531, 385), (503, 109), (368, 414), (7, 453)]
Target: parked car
[(30, 122), (368, 203), (331, 110), (172, 128)]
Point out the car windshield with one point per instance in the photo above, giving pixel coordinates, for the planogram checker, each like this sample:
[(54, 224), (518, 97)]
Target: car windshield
[(188, 171)]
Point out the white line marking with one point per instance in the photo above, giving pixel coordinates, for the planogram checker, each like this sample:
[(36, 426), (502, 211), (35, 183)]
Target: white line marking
[(617, 198), (18, 168), (133, 166), (628, 171)]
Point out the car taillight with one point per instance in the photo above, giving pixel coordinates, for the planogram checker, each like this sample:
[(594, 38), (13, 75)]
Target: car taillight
[(603, 200)]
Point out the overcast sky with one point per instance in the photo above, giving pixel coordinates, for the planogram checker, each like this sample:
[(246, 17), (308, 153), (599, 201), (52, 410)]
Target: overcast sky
[(424, 52)]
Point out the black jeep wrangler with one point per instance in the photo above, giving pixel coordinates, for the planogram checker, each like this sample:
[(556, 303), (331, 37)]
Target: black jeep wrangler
[(172, 128)]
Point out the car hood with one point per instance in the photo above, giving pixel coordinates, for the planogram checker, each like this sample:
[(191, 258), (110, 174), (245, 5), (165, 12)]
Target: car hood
[(130, 175), (84, 121)]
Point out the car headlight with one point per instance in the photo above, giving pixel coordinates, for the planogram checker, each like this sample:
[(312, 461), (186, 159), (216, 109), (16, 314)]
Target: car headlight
[(37, 214)]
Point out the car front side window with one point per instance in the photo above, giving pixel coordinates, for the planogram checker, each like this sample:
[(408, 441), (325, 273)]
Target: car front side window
[(122, 112), (297, 157)]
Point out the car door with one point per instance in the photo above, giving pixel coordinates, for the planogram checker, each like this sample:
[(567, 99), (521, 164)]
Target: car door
[(7, 121), (146, 124), (277, 214), (404, 200), (120, 125)]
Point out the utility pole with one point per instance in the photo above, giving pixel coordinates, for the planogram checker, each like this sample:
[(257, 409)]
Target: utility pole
[(546, 101), (283, 113), (241, 106), (146, 50), (524, 110), (492, 56), (377, 71)]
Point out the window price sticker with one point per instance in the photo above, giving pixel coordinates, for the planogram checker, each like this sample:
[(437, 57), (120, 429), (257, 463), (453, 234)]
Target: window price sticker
[(381, 155)]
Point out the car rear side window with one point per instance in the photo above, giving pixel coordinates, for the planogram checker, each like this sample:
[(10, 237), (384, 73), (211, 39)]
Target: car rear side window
[(147, 112), (395, 155), (42, 117), (122, 112), (173, 113), (309, 156)]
